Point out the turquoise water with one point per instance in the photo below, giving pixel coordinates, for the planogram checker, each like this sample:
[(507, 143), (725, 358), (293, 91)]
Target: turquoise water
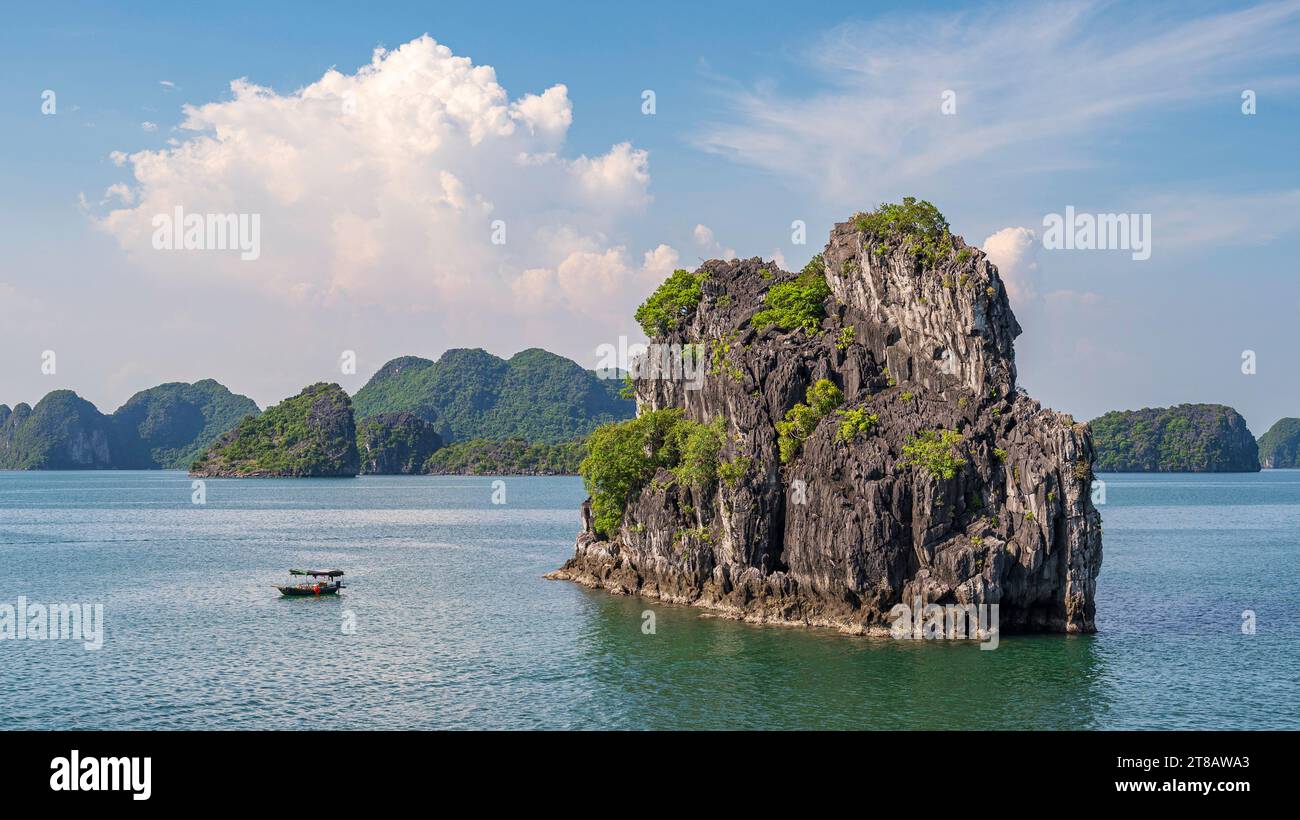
[(455, 628)]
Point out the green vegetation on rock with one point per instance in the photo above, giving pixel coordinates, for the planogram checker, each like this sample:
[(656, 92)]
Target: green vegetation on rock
[(311, 434), (800, 421), (509, 457), (915, 223), (471, 394), (935, 451), (854, 421), (622, 458), (671, 303), (1279, 448), (796, 304), (698, 446)]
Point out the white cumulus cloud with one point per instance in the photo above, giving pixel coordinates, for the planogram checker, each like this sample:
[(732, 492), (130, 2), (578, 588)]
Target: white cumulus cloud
[(414, 186), (707, 243), (1013, 250)]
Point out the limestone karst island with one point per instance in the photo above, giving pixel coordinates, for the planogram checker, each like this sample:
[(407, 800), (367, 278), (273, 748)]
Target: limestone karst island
[(859, 442)]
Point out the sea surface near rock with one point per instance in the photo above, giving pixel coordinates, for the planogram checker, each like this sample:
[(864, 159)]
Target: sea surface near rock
[(848, 529)]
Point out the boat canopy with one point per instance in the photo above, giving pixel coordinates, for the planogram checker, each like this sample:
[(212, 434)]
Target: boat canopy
[(318, 573)]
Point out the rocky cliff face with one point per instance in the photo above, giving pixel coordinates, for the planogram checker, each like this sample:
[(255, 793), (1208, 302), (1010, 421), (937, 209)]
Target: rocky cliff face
[(309, 435), (934, 479), (1188, 438), (1279, 448), (395, 443)]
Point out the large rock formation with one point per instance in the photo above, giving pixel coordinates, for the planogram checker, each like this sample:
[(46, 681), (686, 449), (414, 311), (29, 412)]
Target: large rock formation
[(395, 443), (936, 479), (312, 434), (1189, 438), (62, 432), (1279, 448)]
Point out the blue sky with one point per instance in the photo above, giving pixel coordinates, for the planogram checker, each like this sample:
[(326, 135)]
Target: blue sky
[(764, 114)]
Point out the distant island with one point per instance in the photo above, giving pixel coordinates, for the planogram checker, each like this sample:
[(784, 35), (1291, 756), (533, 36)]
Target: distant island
[(1279, 448), (311, 435), (164, 427), (510, 457), (1188, 438), (535, 395), (467, 413)]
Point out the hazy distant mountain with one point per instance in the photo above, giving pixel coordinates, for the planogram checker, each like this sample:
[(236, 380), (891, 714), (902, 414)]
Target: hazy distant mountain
[(165, 426), (395, 443)]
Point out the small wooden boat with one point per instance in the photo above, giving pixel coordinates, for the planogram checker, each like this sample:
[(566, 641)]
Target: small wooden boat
[(319, 582)]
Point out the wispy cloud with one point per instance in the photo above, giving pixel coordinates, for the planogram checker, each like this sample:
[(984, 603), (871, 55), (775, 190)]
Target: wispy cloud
[(1195, 219), (1033, 87)]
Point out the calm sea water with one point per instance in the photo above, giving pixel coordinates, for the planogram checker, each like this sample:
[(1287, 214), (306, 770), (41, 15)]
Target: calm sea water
[(455, 628)]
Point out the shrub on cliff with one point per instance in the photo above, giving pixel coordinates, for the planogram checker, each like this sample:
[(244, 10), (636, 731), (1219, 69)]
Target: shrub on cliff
[(671, 303), (935, 451), (917, 223), (623, 457), (791, 305), (800, 421), (853, 422), (698, 446)]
